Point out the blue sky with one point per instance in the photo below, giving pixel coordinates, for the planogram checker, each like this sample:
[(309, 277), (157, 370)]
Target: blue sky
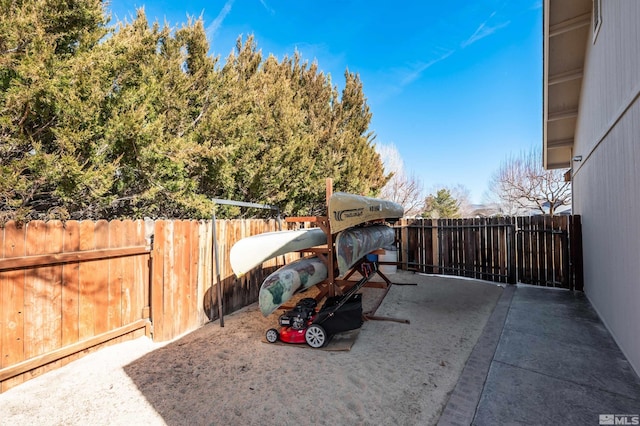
[(456, 86)]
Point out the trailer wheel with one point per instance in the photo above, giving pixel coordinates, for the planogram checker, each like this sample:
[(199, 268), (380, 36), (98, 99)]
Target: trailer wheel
[(272, 335), (315, 336)]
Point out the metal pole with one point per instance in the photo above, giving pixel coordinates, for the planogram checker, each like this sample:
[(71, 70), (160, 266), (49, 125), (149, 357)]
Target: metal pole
[(244, 204), (217, 265), (215, 245)]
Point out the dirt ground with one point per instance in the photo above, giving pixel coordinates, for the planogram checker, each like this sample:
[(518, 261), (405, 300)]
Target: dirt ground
[(395, 373)]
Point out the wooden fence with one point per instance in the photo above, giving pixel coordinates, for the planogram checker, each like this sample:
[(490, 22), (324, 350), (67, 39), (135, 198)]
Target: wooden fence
[(537, 250), (69, 288)]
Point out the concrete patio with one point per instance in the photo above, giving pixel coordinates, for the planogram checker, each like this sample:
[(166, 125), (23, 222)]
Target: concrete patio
[(544, 358)]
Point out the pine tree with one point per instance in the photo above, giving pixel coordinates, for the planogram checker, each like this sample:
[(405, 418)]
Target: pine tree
[(40, 165), (442, 205), (145, 123), (356, 163)]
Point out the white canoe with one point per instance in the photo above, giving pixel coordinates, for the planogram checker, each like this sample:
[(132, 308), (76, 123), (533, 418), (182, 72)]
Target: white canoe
[(252, 251), (347, 210)]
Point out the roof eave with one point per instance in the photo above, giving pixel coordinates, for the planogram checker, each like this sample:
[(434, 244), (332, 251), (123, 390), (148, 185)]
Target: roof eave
[(565, 36)]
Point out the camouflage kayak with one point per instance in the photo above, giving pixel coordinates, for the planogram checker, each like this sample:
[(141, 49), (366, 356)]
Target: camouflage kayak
[(355, 243), (278, 287)]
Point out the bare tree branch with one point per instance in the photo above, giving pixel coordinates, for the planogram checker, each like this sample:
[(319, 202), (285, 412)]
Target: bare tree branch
[(523, 183), (402, 189)]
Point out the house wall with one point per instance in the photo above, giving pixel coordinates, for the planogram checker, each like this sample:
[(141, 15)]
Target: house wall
[(607, 180)]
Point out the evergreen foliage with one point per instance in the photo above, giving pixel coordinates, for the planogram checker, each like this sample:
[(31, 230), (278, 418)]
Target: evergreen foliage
[(139, 120), (441, 206)]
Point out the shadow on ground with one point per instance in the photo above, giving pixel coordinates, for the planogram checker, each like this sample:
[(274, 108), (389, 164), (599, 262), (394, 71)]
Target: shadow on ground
[(394, 373)]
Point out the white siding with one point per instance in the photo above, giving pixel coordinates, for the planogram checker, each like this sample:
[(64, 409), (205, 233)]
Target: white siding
[(607, 181), (611, 73)]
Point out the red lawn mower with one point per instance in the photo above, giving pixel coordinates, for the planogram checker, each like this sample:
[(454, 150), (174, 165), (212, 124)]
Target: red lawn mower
[(305, 324)]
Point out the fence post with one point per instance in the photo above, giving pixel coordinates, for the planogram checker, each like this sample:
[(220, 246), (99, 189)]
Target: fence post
[(435, 245), (403, 252), (511, 245), (157, 280), (575, 242)]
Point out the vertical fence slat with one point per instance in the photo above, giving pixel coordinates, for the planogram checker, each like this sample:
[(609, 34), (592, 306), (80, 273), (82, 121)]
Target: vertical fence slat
[(474, 255), (455, 246), (189, 285), (170, 282), (541, 236), (546, 259), (426, 247), (193, 273), (504, 249), (484, 253), (131, 281), (431, 237), (87, 286), (182, 267), (491, 247), (512, 269), (413, 247), (143, 267), (531, 235), (116, 276), (481, 256), (204, 270), (559, 236), (418, 258), (5, 306), (13, 300), (404, 244), (526, 251), (157, 287), (470, 242), (496, 232), (495, 246), (101, 279), (52, 297), (456, 252), (575, 238), (71, 288), (521, 250), (447, 238), (176, 277), (533, 252), (519, 245), (35, 287), (135, 277)]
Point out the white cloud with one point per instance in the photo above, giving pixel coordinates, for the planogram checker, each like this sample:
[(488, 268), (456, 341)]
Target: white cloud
[(213, 27), (417, 71), (266, 6), (484, 30)]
